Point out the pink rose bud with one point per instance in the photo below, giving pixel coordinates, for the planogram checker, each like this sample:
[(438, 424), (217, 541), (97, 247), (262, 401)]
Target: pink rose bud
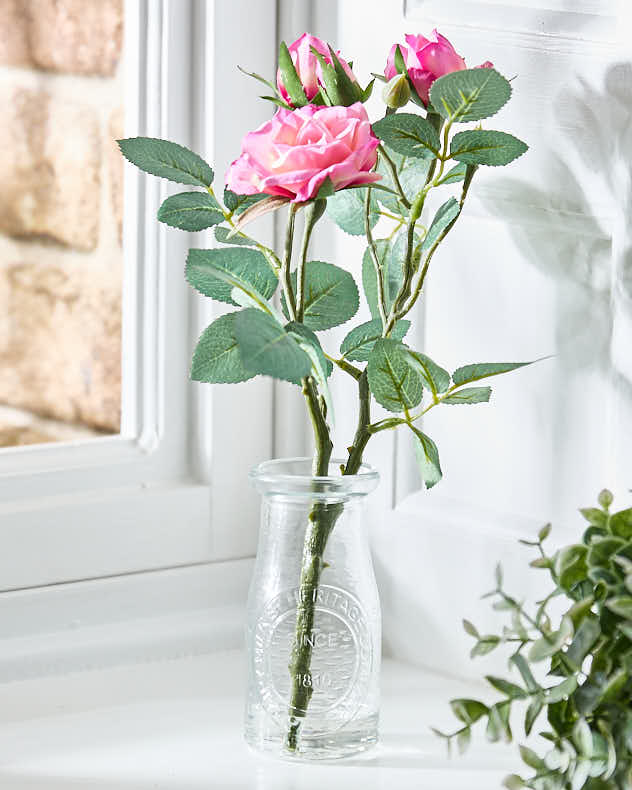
[(426, 60), (307, 66), (295, 151)]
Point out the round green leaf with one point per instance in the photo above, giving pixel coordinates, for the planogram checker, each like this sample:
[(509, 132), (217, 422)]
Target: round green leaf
[(216, 359), (393, 379), (216, 272), (347, 210), (266, 347), (331, 295), (408, 134), (486, 147), (470, 94), (359, 343), (190, 211)]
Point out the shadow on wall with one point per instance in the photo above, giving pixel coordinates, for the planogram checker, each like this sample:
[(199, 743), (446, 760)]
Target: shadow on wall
[(592, 257)]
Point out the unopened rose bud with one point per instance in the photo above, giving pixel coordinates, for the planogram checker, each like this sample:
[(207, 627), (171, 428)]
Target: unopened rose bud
[(396, 92)]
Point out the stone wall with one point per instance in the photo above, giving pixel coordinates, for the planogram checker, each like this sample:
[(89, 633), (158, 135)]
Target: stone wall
[(60, 214)]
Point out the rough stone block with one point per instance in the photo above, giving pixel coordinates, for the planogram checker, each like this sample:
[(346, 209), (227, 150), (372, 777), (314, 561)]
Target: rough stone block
[(115, 164), (76, 36), (50, 158), (14, 35), (60, 341)]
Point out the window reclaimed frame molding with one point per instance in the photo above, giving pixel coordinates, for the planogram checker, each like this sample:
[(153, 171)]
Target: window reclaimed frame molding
[(156, 495)]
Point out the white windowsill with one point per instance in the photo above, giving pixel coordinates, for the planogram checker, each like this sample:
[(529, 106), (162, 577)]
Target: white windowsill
[(177, 724)]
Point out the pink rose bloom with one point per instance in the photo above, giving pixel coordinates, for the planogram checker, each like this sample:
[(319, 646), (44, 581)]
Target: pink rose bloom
[(296, 150), (307, 66), (426, 60)]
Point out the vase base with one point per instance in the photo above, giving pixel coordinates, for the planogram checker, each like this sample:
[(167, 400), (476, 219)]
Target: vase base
[(348, 741)]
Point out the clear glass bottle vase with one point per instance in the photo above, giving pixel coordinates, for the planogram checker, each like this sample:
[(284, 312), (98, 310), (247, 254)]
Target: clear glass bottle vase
[(314, 623)]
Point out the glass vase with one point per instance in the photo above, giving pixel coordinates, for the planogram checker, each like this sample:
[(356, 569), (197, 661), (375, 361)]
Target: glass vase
[(314, 623)]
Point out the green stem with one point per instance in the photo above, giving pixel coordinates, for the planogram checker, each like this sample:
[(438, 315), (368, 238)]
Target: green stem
[(313, 212), (393, 171), (285, 276), (363, 433), (322, 519), (381, 303)]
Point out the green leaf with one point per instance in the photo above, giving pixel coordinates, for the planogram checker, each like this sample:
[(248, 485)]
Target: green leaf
[(463, 739), (239, 203), (413, 177), (453, 176), (369, 277), (215, 273), (217, 359), (290, 78), (483, 370), (331, 295), (470, 95), (621, 606), (486, 147), (582, 737), (446, 215), (346, 209), (430, 469), (621, 523), (470, 629), (544, 533), (570, 565), (359, 343), (498, 723), (469, 395), (595, 516), (167, 160), (412, 174), (505, 687), (530, 758), (602, 549), (514, 782), (533, 711), (408, 134), (393, 379), (306, 335), (391, 256), (190, 211), (523, 667), (545, 647), (561, 691), (485, 645), (238, 240), (469, 711), (434, 378), (321, 366), (266, 347)]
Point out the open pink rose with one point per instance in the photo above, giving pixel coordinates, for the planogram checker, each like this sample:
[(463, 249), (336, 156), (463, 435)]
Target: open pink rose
[(426, 60), (307, 66), (295, 151)]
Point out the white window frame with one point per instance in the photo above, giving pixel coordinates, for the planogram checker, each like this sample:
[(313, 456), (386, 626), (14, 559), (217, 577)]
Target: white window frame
[(161, 493)]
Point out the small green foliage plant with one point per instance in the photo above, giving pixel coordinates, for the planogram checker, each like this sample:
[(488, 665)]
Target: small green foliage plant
[(572, 674)]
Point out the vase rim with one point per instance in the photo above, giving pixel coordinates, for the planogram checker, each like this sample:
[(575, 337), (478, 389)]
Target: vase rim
[(292, 476)]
